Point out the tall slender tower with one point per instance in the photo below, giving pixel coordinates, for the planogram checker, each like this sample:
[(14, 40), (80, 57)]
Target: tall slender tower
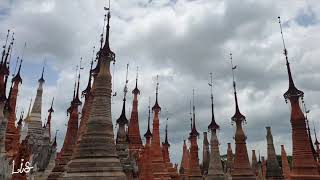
[(144, 161), (122, 141), (273, 169), (194, 171), (95, 155), (87, 93), (303, 164), (241, 167), (166, 155), (12, 133), (285, 164), (35, 130), (135, 142), (215, 171), (70, 137), (50, 111), (159, 168)]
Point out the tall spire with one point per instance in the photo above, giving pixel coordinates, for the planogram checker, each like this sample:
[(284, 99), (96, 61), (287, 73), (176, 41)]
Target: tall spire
[(241, 168), (194, 131), (148, 134), (136, 90), (49, 118), (304, 165), (292, 91), (77, 98), (156, 105), (123, 119), (213, 125), (135, 142), (237, 116), (41, 80), (166, 142), (17, 78), (86, 92), (4, 47)]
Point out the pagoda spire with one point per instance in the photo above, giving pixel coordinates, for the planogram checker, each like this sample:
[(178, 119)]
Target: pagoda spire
[(213, 125), (148, 134), (12, 132), (254, 163), (122, 120), (241, 167), (135, 142), (194, 171), (17, 78), (84, 164), (158, 164), (50, 111), (86, 92), (303, 164), (70, 139), (229, 164), (215, 169), (194, 131), (4, 47), (205, 154)]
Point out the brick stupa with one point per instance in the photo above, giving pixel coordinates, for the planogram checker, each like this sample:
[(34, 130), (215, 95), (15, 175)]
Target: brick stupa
[(70, 137), (241, 168), (304, 165), (215, 171), (12, 133), (95, 155), (135, 142), (159, 168), (194, 167), (273, 169)]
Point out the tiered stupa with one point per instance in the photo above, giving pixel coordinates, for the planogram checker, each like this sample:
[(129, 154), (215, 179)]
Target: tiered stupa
[(71, 136), (95, 155), (304, 165), (194, 167), (241, 168), (159, 168), (135, 142), (215, 171), (273, 169)]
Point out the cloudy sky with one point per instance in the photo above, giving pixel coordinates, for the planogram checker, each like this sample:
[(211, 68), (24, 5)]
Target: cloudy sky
[(182, 41)]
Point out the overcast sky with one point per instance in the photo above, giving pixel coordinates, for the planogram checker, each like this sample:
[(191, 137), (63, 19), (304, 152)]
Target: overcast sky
[(182, 41)]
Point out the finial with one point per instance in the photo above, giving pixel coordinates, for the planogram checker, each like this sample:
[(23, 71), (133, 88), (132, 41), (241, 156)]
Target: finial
[(156, 105), (136, 90), (10, 49), (4, 46), (194, 131), (292, 91), (17, 77), (166, 134), (41, 80), (237, 117), (51, 107), (213, 125), (125, 90), (148, 133), (285, 52)]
